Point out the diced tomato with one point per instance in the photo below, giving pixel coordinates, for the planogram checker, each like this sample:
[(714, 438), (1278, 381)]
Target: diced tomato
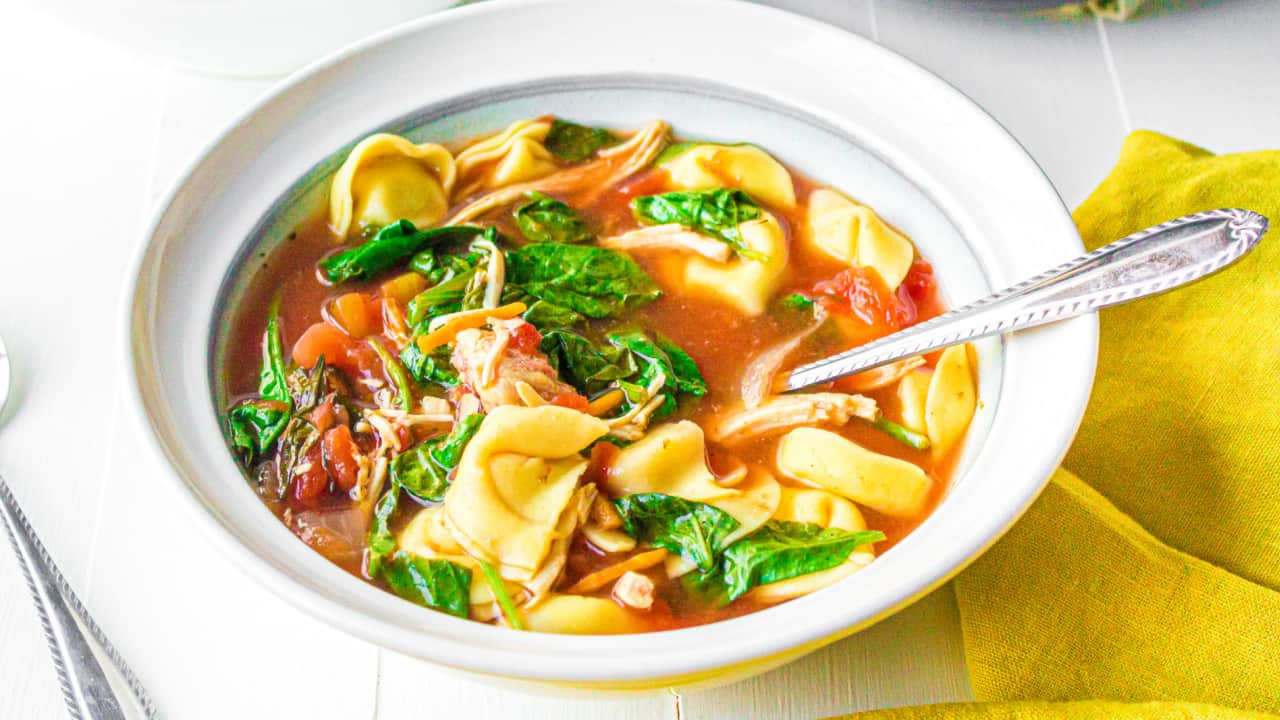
[(860, 291), (340, 350), (310, 483), (573, 401), (340, 457), (919, 280), (525, 339), (323, 416)]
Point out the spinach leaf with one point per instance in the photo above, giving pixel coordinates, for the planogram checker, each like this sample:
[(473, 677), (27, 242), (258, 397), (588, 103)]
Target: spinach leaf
[(782, 549), (391, 246), (273, 383), (441, 299), (712, 212), (574, 142), (694, 530), (438, 267), (382, 543), (583, 365), (547, 316), (433, 583), (423, 471), (307, 387), (427, 368), (254, 426), (594, 281), (395, 371), (545, 219), (660, 355), (296, 441)]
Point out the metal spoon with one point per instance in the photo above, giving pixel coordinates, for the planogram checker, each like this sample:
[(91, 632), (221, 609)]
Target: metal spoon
[(85, 683), (1152, 261)]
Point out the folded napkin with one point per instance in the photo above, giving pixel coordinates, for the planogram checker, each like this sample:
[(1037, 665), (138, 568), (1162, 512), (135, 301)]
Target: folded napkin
[(1147, 584)]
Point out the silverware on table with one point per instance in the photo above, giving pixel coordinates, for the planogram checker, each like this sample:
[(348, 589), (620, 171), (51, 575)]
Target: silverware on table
[(77, 643), (1152, 261)]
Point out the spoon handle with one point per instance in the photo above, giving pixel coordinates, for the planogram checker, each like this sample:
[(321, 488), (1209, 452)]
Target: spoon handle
[(1154, 260), (84, 682)]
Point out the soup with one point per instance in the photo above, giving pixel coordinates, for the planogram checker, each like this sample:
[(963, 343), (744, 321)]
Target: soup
[(529, 380)]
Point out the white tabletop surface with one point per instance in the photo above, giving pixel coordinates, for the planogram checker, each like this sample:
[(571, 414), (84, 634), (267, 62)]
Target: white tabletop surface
[(94, 134)]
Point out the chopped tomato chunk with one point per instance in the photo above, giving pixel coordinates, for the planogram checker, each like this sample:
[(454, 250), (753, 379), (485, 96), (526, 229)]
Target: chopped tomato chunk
[(525, 339), (860, 291), (573, 401), (323, 416), (309, 478), (356, 314), (919, 280), (340, 350), (340, 457)]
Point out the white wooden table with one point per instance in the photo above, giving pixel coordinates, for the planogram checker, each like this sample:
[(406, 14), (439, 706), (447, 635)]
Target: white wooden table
[(94, 134)]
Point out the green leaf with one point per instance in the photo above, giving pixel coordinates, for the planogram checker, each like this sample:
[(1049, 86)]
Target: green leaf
[(574, 142), (382, 543), (656, 355), (907, 437), (391, 246), (782, 549), (273, 382), (423, 470), (427, 368), (694, 530), (547, 316), (395, 371), (296, 441), (433, 583), (582, 364), (438, 267), (442, 299), (712, 212), (254, 426), (545, 219), (594, 281)]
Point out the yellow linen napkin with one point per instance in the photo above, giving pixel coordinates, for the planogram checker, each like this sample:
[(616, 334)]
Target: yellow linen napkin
[(1155, 574)]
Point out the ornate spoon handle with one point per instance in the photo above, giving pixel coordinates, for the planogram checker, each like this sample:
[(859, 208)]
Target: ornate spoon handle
[(85, 684), (1148, 262)]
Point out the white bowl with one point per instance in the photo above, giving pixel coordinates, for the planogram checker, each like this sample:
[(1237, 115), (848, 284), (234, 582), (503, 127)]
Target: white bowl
[(834, 105)]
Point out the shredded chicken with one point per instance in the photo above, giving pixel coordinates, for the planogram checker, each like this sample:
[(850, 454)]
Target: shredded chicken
[(632, 424), (539, 586), (495, 273), (758, 376), (671, 236), (604, 514), (474, 350), (435, 406), (612, 166), (386, 431), (784, 412), (634, 590)]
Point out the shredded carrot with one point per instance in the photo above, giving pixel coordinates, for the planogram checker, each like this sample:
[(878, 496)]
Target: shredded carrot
[(466, 320), (600, 578), (605, 402)]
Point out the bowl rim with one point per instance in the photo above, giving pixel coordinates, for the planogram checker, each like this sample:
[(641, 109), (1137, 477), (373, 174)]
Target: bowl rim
[(569, 658)]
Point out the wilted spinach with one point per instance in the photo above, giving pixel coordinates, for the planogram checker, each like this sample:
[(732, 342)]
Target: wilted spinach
[(656, 354), (582, 364), (431, 367), (574, 142), (712, 212), (391, 246), (395, 371), (254, 426), (545, 219), (693, 530), (430, 582), (548, 316), (594, 281), (779, 550)]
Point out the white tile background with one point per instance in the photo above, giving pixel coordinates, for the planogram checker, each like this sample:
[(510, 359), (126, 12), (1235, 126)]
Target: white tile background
[(93, 134)]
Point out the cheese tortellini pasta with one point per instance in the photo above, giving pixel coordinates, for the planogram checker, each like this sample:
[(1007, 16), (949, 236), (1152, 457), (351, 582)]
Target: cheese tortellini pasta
[(745, 283), (388, 178), (515, 155), (855, 234), (742, 166)]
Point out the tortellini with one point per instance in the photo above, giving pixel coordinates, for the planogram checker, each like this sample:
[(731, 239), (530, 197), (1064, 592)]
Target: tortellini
[(388, 178), (745, 284), (581, 615), (883, 483), (823, 508), (514, 482), (941, 403), (745, 167), (517, 154), (853, 233)]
